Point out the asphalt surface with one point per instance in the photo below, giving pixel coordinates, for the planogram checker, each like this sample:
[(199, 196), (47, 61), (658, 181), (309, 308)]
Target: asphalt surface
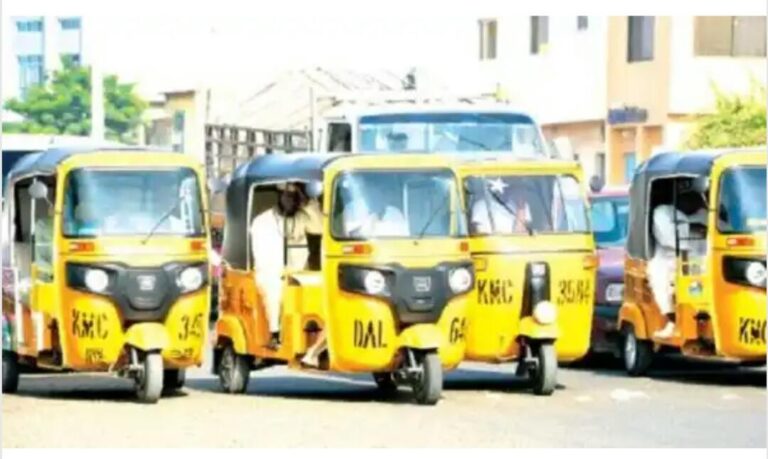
[(680, 404)]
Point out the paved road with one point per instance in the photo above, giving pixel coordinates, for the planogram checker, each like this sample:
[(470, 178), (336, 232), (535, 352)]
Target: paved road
[(702, 405)]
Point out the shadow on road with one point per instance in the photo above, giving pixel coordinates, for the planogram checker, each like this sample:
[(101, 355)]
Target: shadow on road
[(82, 387), (338, 388), (681, 370)]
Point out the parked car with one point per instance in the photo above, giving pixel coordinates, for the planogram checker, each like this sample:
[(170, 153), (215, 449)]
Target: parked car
[(610, 219)]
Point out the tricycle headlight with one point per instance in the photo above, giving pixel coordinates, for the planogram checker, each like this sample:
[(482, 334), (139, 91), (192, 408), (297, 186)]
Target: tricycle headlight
[(190, 279), (545, 312), (460, 280), (755, 274), (374, 282), (614, 293), (96, 280)]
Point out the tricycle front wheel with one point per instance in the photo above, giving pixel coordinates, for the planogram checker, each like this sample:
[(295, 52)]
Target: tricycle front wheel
[(149, 381), (10, 372), (428, 382), (544, 375)]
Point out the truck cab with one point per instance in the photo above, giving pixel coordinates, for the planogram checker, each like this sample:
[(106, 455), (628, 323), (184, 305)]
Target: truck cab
[(430, 128)]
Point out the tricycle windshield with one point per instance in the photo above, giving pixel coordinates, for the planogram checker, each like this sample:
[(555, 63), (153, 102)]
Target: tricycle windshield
[(526, 204), (742, 201), (610, 217), (396, 204), (130, 202), (449, 132)]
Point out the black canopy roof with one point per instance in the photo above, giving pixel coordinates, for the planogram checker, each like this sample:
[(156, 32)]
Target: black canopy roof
[(45, 162), (263, 170), (680, 163)]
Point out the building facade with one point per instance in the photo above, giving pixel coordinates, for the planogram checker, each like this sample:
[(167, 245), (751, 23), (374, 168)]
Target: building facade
[(34, 46), (620, 88)]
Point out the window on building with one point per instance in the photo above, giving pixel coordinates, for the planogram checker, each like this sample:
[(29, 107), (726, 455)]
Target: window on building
[(629, 166), (488, 32), (74, 58), (600, 165), (738, 36), (539, 34), (31, 72), (582, 23), (69, 23), (640, 38), (29, 25)]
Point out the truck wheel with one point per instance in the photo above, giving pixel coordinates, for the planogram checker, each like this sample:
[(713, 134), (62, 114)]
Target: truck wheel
[(637, 353), (234, 371), (10, 372), (173, 380), (385, 382), (429, 381), (149, 384), (544, 375)]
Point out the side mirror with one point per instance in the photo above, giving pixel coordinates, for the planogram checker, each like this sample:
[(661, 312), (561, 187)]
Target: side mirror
[(314, 189), (701, 184), (38, 190), (596, 183)]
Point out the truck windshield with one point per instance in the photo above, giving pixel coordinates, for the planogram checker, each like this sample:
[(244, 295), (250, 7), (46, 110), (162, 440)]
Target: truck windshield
[(610, 217), (449, 132), (520, 204), (100, 202), (742, 203), (395, 204)]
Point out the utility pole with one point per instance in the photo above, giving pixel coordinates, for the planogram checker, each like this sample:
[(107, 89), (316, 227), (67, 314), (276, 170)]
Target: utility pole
[(97, 94)]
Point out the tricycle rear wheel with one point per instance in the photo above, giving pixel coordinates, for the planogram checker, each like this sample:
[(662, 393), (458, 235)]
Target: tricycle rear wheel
[(385, 382), (149, 382), (637, 354), (173, 380), (428, 383), (544, 375), (10, 372), (234, 371)]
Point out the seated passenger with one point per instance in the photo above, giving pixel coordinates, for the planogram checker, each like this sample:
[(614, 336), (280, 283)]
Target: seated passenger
[(362, 218), (662, 266), (509, 211), (284, 223)]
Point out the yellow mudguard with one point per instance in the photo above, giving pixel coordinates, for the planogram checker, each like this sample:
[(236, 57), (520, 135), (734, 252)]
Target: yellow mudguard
[(229, 326), (534, 330), (422, 336), (148, 337), (630, 313)]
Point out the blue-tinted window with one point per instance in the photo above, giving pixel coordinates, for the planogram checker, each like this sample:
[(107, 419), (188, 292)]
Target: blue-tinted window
[(31, 72), (629, 166), (30, 25), (70, 23)]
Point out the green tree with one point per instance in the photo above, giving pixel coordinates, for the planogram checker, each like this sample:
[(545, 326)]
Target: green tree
[(64, 106), (738, 121)]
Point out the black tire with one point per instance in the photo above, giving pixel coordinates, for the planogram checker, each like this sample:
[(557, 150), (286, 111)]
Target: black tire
[(637, 354), (544, 376), (149, 384), (385, 382), (10, 372), (429, 384), (234, 371), (173, 380)]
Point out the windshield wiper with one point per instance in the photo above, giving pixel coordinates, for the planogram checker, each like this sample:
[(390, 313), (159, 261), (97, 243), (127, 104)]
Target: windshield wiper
[(512, 212), (163, 218), (433, 215)]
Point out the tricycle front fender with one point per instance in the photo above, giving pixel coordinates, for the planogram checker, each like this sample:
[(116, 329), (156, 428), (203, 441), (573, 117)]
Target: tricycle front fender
[(421, 336), (229, 326), (148, 337), (531, 329)]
